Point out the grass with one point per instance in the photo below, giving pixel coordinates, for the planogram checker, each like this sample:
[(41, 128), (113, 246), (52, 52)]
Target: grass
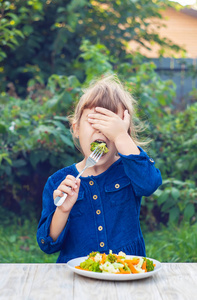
[(173, 243), (18, 241)]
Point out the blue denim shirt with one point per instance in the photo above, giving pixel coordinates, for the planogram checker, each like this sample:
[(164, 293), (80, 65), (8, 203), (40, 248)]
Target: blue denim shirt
[(106, 214)]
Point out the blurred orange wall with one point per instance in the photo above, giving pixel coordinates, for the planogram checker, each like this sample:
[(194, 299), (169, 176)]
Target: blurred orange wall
[(181, 28)]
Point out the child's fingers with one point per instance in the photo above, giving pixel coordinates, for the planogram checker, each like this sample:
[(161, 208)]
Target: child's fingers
[(78, 182), (57, 193), (66, 189), (99, 127), (96, 121), (69, 181), (126, 118), (63, 190), (97, 117), (68, 178), (104, 111), (68, 186)]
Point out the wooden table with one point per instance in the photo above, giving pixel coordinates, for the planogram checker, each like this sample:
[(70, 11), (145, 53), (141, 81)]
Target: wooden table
[(55, 281)]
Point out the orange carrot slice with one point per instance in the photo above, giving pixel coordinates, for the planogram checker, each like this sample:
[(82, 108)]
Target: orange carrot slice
[(122, 271), (78, 267), (103, 258), (132, 268), (144, 266), (133, 261), (120, 261)]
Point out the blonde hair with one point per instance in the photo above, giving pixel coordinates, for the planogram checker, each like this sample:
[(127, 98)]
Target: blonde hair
[(107, 92)]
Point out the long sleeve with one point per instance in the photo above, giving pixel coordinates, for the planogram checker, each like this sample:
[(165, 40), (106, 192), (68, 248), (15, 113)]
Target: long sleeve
[(45, 242), (141, 170)]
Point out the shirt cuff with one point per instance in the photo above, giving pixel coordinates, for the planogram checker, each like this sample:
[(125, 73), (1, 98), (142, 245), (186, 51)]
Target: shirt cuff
[(143, 155), (47, 240), (135, 156)]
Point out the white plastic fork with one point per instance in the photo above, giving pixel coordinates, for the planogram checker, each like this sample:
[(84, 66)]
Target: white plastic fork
[(90, 162)]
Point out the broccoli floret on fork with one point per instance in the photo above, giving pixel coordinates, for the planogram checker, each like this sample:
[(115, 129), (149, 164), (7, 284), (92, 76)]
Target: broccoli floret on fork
[(101, 147)]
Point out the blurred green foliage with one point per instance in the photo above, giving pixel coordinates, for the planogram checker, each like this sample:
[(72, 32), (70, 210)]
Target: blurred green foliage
[(8, 28), (49, 51), (174, 146), (173, 243), (40, 38), (18, 239), (36, 140)]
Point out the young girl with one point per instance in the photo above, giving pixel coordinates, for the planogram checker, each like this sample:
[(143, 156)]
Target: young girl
[(101, 211)]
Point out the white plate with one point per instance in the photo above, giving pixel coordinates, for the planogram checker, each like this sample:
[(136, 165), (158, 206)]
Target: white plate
[(105, 276)]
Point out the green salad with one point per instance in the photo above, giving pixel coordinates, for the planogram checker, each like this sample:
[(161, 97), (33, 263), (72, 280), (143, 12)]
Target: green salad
[(116, 264)]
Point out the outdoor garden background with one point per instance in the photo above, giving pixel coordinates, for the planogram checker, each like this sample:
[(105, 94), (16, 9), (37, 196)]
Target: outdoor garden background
[(49, 51)]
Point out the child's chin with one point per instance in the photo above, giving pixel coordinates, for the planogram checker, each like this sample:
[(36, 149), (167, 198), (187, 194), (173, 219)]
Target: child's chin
[(104, 155), (103, 159)]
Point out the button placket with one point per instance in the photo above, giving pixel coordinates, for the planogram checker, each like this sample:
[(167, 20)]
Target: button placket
[(99, 217)]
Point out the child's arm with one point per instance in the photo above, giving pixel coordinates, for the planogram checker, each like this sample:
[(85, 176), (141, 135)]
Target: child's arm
[(54, 222), (69, 186), (138, 166)]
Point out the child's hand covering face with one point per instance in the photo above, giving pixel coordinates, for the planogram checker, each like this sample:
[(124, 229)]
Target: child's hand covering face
[(110, 124)]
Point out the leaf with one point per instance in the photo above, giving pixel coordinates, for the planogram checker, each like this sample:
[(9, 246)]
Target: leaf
[(73, 81), (158, 192), (168, 204), (189, 211), (66, 140), (164, 196), (19, 163), (27, 29), (43, 128), (178, 182), (61, 118), (12, 238), (52, 102), (175, 193), (19, 33), (5, 156), (8, 160), (8, 170), (174, 214), (13, 16), (59, 125), (2, 128), (34, 158)]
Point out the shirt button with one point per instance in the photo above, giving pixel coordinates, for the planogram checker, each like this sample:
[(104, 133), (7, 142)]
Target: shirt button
[(98, 211), (102, 244), (42, 241), (117, 186), (95, 197), (91, 182), (100, 228), (151, 160)]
